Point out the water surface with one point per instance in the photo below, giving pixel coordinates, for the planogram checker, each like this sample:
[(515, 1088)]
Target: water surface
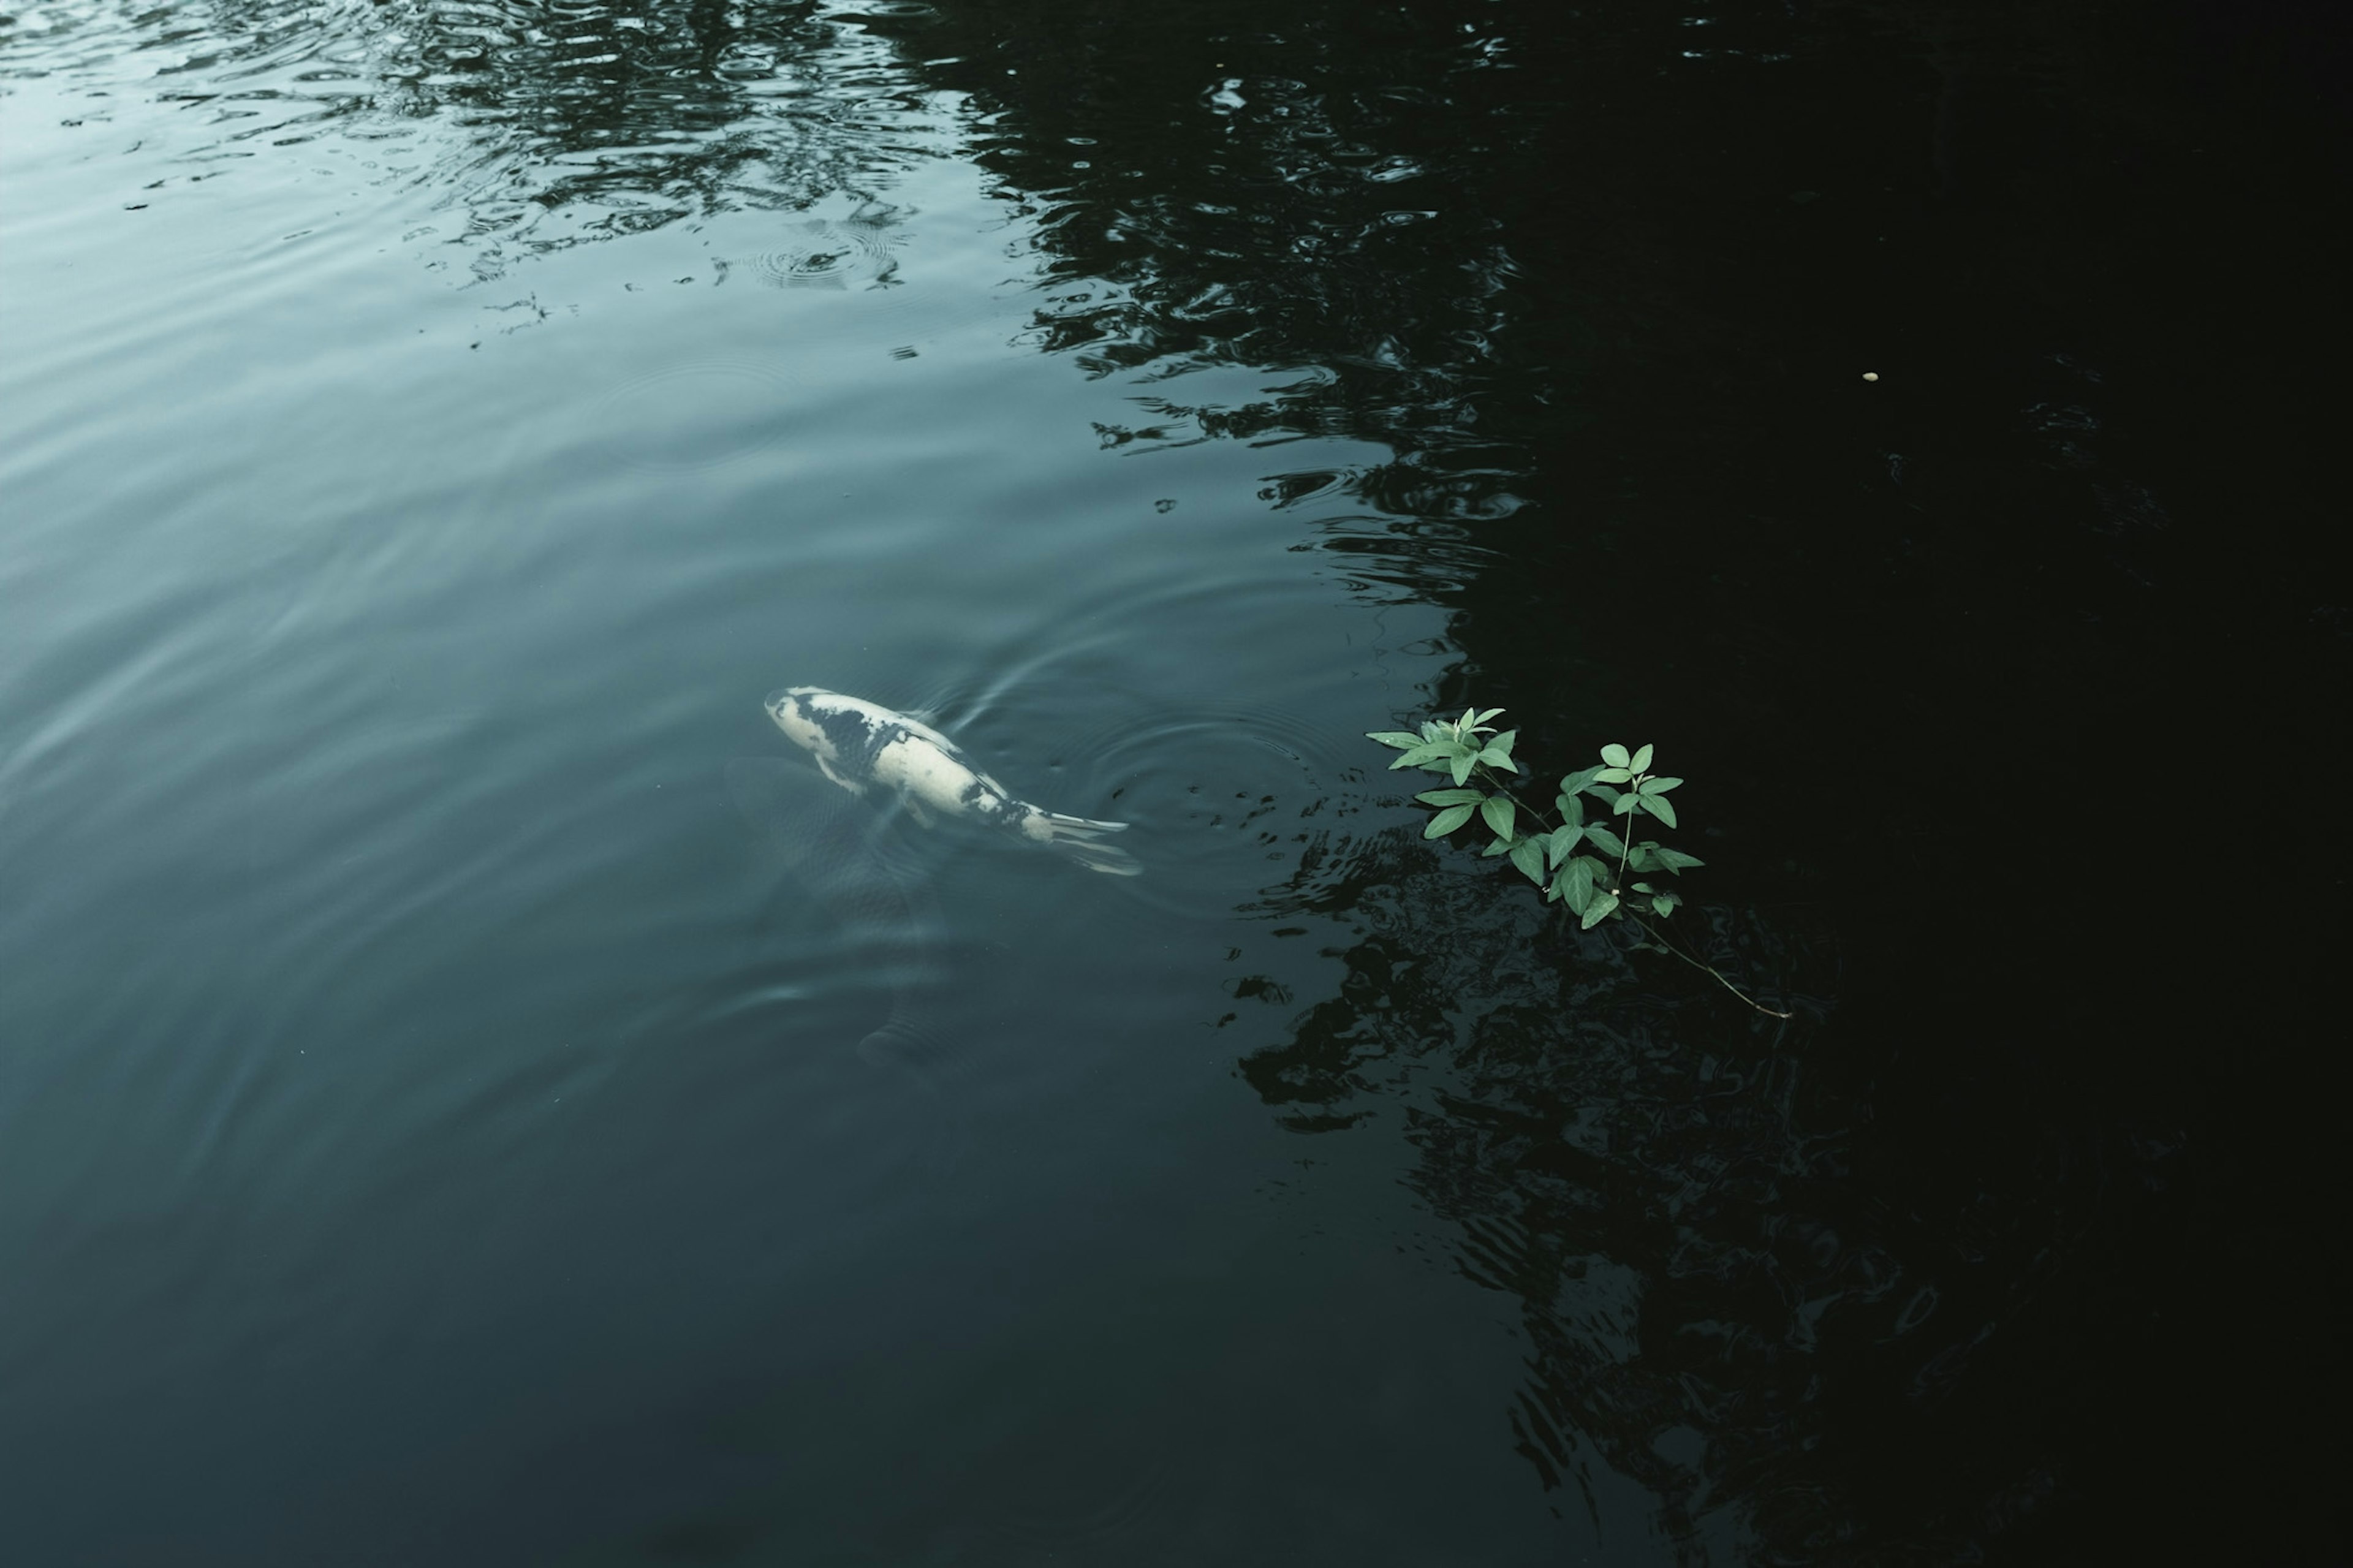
[(433, 1121)]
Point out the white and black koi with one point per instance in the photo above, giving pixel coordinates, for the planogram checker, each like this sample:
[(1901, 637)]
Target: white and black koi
[(861, 745)]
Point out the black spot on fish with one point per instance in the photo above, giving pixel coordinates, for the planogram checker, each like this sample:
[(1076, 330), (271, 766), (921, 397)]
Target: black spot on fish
[(856, 740)]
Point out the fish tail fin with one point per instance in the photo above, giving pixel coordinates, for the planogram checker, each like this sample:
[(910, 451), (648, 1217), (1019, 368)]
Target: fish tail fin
[(1081, 839)]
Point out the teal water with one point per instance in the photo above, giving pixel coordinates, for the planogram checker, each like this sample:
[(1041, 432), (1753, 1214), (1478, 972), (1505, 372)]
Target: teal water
[(431, 1129), (442, 1117)]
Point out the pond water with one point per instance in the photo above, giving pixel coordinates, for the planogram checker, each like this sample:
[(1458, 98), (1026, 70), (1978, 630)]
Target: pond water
[(443, 1118)]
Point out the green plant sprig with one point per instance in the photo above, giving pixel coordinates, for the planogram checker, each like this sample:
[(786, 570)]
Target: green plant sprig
[(1554, 853)]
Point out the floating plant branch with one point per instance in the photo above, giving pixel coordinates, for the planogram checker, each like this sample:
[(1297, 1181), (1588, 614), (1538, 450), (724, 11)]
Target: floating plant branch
[(1580, 863)]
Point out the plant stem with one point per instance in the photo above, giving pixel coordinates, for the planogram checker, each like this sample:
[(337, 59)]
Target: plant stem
[(1667, 946), (1503, 790), (1656, 935)]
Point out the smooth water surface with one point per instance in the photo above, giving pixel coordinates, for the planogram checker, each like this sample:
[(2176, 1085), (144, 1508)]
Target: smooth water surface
[(443, 1118)]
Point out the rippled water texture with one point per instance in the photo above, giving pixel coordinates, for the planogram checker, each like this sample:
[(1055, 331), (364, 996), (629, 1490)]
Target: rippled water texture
[(470, 1093)]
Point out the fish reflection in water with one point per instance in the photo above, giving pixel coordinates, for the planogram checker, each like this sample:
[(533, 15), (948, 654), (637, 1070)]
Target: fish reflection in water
[(846, 860)]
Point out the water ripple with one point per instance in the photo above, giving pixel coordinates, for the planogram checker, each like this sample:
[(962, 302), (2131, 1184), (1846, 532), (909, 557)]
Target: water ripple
[(1226, 799), (550, 125)]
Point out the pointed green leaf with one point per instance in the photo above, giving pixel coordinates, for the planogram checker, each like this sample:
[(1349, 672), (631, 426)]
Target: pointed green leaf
[(1601, 838), (1664, 902), (1663, 809), (1640, 858), (1615, 755), (1624, 805), (1462, 766), (1599, 909), (1393, 737), (1660, 785), (1576, 883), (1499, 811), (1608, 795), (1641, 760), (1418, 756), (1483, 717), (1447, 821), (1432, 730), (1495, 846), (1528, 855), (1578, 780), (1613, 775), (1676, 859), (1451, 797), (1559, 842), (1495, 759)]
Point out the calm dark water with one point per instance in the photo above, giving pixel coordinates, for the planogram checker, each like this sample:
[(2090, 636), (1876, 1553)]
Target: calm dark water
[(434, 1122)]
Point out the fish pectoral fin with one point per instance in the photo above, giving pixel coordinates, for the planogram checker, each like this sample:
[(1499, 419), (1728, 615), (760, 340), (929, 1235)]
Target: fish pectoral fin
[(915, 809), (827, 769)]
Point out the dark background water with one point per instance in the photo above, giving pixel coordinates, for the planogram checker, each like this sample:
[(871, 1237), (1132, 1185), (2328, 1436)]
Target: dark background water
[(430, 1125)]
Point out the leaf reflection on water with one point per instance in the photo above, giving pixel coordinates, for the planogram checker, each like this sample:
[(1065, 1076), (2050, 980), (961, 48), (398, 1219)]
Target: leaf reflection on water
[(1651, 1170)]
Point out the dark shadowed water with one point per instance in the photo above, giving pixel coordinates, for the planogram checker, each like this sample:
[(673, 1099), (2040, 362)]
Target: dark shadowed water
[(465, 1098)]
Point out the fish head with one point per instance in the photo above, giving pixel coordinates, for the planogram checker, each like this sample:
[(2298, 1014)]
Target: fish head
[(798, 710)]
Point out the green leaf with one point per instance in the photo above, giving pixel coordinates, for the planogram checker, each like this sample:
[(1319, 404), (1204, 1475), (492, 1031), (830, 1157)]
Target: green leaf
[(1495, 759), (1447, 821), (1504, 742), (1624, 805), (1572, 811), (1393, 737), (1421, 754), (1576, 883), (1613, 775), (1642, 859), (1664, 902), (1451, 797), (1642, 758), (1601, 838), (1560, 842), (1432, 730), (1578, 780), (1528, 855), (1676, 859), (1603, 906), (1498, 811), (1495, 846), (1660, 785), (1665, 810), (1479, 718), (1615, 755), (1462, 766), (1608, 795)]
